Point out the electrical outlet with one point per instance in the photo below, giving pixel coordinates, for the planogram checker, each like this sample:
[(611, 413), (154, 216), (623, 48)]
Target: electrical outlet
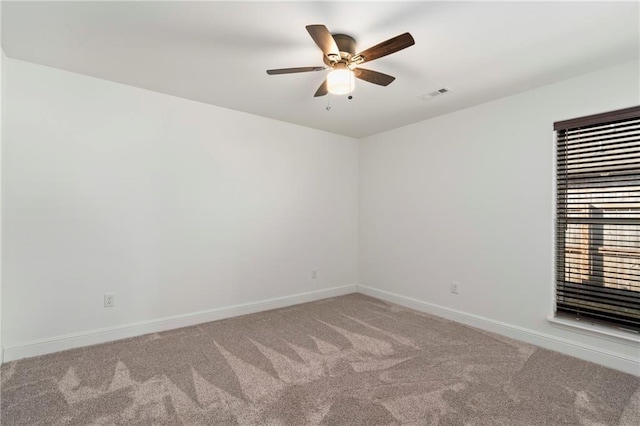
[(314, 273), (454, 287), (109, 300)]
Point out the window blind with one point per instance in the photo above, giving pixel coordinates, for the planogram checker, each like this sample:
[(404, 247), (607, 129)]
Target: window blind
[(598, 218)]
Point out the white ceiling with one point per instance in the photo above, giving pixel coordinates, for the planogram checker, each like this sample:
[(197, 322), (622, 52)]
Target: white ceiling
[(217, 52)]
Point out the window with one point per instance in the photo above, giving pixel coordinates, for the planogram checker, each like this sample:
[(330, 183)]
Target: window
[(598, 218)]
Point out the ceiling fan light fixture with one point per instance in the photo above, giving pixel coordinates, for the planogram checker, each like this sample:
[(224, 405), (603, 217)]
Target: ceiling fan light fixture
[(340, 81), (338, 53)]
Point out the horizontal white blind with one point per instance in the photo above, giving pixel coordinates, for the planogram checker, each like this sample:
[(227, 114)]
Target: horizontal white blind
[(598, 218)]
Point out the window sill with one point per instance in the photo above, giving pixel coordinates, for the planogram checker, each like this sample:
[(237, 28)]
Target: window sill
[(596, 330)]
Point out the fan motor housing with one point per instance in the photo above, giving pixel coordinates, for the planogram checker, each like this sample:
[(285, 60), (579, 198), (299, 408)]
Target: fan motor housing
[(346, 46)]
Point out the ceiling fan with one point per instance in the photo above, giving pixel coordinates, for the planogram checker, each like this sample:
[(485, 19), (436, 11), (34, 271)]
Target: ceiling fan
[(339, 54)]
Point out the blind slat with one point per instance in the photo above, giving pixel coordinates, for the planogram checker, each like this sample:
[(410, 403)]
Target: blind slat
[(596, 147)]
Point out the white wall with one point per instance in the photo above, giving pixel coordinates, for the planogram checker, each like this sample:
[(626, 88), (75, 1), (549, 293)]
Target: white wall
[(181, 209), (2, 75), (467, 197), (175, 206)]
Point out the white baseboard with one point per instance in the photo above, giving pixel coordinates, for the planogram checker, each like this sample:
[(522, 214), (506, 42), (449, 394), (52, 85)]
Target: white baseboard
[(574, 348), (570, 347), (92, 337)]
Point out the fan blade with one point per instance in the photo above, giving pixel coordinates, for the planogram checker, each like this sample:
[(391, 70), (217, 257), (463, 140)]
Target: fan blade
[(293, 70), (385, 48), (374, 77), (323, 38), (322, 90)]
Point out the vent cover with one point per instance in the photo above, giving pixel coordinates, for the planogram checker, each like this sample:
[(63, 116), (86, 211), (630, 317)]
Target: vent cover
[(438, 92)]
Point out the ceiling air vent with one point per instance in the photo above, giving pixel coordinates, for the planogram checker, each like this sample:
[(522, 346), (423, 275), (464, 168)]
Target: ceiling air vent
[(438, 92)]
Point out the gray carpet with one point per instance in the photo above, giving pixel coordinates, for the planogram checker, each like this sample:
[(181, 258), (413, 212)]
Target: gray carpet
[(350, 360)]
